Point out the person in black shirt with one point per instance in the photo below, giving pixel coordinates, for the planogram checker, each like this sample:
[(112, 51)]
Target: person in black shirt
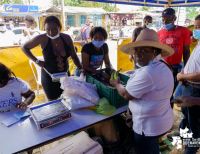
[(96, 52), (57, 47)]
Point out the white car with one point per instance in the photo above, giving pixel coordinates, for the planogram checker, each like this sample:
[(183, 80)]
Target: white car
[(19, 33)]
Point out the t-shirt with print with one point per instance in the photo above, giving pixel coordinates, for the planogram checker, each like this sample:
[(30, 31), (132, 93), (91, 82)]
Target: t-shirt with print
[(10, 95), (95, 56), (177, 39)]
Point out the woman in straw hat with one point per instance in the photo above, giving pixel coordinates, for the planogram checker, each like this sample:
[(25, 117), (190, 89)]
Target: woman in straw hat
[(148, 90)]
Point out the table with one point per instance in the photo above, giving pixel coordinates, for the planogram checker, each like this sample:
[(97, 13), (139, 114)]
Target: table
[(25, 136)]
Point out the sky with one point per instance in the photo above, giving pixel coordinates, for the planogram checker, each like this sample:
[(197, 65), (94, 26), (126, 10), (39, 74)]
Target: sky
[(42, 3)]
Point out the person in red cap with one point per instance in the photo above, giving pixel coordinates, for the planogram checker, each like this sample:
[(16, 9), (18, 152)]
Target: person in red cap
[(178, 38)]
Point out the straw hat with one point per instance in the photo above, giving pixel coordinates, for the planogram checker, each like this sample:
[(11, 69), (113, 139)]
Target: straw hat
[(147, 38)]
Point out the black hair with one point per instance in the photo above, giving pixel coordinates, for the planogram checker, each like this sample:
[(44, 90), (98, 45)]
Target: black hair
[(29, 19), (5, 74), (53, 19), (148, 17), (197, 17), (96, 30)]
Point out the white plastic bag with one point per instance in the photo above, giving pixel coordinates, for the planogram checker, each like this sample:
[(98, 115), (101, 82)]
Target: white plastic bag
[(79, 88), (76, 102)]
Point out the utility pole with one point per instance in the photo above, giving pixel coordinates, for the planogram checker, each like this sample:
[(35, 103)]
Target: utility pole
[(63, 14)]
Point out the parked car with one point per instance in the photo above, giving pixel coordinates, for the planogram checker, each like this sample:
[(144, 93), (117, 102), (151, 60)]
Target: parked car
[(19, 33)]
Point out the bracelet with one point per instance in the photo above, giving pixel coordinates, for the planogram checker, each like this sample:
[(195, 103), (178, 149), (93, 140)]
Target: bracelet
[(37, 61)]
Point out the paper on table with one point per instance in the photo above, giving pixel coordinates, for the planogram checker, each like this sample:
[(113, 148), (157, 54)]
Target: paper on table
[(10, 118), (9, 121), (21, 114)]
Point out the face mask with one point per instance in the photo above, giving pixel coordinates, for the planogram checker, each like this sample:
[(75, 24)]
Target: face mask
[(98, 44), (196, 34), (169, 26), (53, 37), (149, 25)]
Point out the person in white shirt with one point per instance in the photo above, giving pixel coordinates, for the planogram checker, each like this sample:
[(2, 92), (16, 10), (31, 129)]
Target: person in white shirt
[(8, 38), (30, 31), (189, 85), (148, 90), (69, 31), (12, 90)]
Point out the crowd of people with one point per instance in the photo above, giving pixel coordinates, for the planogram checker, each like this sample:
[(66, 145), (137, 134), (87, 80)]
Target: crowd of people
[(159, 73)]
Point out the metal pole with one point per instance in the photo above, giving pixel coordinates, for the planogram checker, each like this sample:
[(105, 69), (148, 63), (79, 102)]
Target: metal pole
[(63, 14), (178, 16)]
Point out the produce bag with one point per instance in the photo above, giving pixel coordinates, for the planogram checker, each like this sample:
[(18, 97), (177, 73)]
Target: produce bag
[(76, 102), (104, 107), (73, 87)]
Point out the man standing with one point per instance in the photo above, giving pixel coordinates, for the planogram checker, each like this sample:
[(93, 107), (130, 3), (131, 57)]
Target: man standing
[(147, 23), (85, 31), (178, 38), (30, 30), (8, 38), (190, 86)]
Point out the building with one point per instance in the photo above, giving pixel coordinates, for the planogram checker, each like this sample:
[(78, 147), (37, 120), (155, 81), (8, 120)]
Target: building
[(77, 16), (17, 12)]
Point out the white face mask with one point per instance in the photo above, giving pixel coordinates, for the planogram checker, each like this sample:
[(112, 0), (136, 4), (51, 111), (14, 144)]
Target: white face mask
[(53, 37), (149, 25)]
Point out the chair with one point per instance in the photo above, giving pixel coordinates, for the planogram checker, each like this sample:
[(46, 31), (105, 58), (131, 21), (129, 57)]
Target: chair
[(37, 73)]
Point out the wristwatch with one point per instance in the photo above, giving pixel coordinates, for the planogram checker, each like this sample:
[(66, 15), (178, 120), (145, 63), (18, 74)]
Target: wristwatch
[(37, 61)]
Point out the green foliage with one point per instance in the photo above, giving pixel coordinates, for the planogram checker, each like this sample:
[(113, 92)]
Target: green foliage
[(192, 12), (56, 2), (105, 6), (145, 8), (11, 2)]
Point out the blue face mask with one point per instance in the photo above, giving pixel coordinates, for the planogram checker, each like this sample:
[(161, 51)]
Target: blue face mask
[(169, 26), (98, 44), (196, 34)]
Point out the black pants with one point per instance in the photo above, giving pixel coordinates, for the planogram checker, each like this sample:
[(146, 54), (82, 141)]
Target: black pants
[(146, 144), (51, 89)]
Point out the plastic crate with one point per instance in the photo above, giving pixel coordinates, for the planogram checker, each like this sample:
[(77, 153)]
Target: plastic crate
[(109, 92)]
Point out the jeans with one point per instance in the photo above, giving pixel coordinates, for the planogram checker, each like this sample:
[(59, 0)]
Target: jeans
[(145, 144), (191, 118), (176, 69)]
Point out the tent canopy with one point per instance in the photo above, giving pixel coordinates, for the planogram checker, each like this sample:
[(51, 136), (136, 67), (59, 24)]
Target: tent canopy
[(155, 3)]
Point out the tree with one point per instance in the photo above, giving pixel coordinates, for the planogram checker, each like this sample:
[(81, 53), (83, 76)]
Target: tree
[(145, 8), (192, 12), (105, 6), (11, 2), (56, 2)]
